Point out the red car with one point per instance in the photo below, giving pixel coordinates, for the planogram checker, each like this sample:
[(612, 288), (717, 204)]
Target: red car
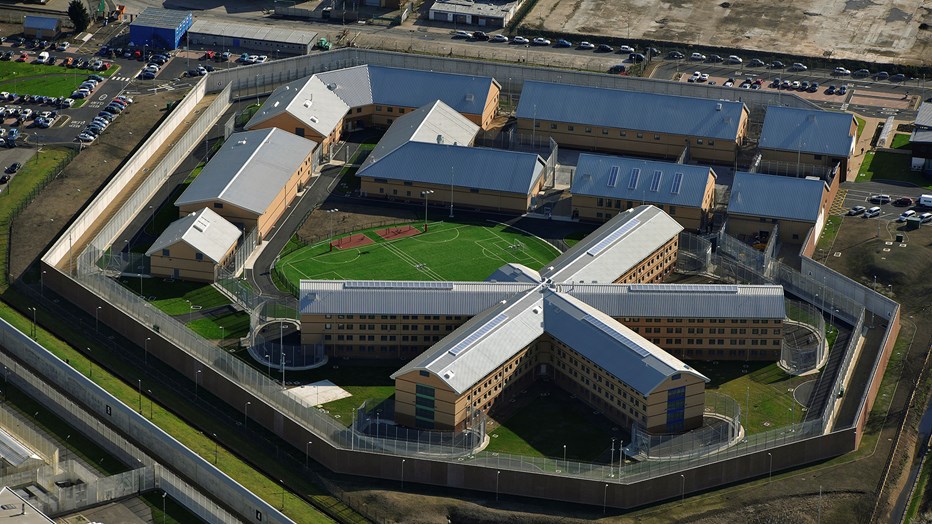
[(23, 57), (903, 202)]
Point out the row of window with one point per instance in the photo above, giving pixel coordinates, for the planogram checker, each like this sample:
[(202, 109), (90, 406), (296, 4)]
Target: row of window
[(197, 256), (700, 331), (701, 320), (395, 317), (605, 132), (392, 327)]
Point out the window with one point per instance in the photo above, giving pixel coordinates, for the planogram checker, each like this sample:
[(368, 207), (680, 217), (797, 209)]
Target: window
[(165, 253), (359, 110), (218, 205), (640, 135), (401, 110), (391, 109), (623, 133), (699, 141), (588, 129), (424, 374), (570, 128), (407, 183), (711, 142), (199, 256), (605, 131), (599, 202), (378, 108), (473, 190), (656, 137), (552, 126), (817, 157), (672, 210)]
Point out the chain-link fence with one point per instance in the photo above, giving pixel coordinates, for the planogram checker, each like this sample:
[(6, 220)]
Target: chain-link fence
[(803, 348), (693, 254), (47, 451), (721, 428)]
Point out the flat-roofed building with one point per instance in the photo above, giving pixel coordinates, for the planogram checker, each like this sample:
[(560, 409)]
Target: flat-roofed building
[(305, 108), (193, 247), (921, 139), (796, 138), (484, 14), (271, 40), (603, 186), (252, 179), (633, 122), (759, 201), (41, 27)]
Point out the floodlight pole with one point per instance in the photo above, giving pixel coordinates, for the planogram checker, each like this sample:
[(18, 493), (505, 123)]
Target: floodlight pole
[(611, 461), (451, 192), (246, 414), (330, 213), (425, 194)]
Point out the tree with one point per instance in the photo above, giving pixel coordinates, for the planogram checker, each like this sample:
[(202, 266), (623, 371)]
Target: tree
[(79, 16)]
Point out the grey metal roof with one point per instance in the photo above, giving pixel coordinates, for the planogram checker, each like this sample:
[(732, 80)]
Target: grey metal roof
[(808, 131), (924, 116), (480, 8), (483, 343), (276, 33), (249, 170), (370, 84), (697, 117), (615, 247), (404, 297), (160, 18), (610, 345), (308, 100), (204, 230), (774, 196), (681, 300), (515, 273), (433, 123), (921, 136), (468, 167), (43, 23), (644, 180)]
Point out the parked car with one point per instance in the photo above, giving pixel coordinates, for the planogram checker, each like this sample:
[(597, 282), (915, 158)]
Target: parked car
[(481, 36), (604, 48), (223, 57), (841, 90), (698, 57), (757, 62), (625, 49), (23, 57), (462, 34), (925, 218), (861, 73), (797, 66), (704, 77), (830, 90), (715, 59), (636, 58), (903, 202), (675, 55), (499, 38), (520, 40), (776, 64), (541, 41), (261, 59), (564, 43), (841, 71), (734, 59), (586, 45), (617, 69), (906, 215), (86, 138), (899, 77), (856, 210), (872, 212), (880, 199), (882, 75), (5, 178), (14, 167)]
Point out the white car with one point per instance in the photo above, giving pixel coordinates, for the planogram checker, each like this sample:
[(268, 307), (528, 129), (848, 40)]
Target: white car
[(872, 212), (86, 137), (841, 71), (798, 67), (251, 60), (699, 57), (704, 77), (906, 214), (462, 34), (729, 83), (539, 41), (25, 113), (696, 76), (925, 218), (68, 102), (499, 38), (63, 46), (262, 59), (625, 49), (586, 45), (520, 40), (734, 59)]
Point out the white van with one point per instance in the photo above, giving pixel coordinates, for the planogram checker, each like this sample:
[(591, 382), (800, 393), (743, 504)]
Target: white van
[(925, 200), (43, 57)]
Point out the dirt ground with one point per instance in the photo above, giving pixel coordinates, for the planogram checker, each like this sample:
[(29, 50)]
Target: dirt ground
[(350, 217), (46, 217), (885, 30)]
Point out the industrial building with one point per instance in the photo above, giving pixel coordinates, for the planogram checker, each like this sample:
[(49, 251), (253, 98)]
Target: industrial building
[(795, 140), (633, 122), (603, 186), (193, 247), (921, 140), (485, 15), (41, 27), (403, 166), (252, 179), (159, 28), (273, 41), (797, 205)]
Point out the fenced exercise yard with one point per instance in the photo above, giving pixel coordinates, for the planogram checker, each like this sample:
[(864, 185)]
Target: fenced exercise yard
[(445, 251)]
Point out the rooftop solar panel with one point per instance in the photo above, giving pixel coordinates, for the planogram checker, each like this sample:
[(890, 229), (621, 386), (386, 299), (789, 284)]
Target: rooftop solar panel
[(617, 335), (474, 337), (682, 288), (401, 284), (603, 244)]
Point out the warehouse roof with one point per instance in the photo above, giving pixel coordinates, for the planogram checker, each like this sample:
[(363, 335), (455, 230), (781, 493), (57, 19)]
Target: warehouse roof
[(470, 167), (643, 180), (774, 196), (369, 297), (204, 230), (254, 32), (808, 131), (249, 170), (615, 108), (308, 100), (488, 9), (924, 116), (370, 84), (43, 23), (483, 343), (615, 247), (435, 123), (681, 300), (610, 345), (161, 18)]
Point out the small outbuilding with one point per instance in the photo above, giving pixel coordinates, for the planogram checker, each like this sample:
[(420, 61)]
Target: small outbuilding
[(193, 247), (41, 27), (160, 28)]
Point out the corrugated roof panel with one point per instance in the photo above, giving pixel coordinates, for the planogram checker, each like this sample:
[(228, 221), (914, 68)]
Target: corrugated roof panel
[(678, 184), (268, 34), (205, 231), (161, 18), (634, 110), (308, 100), (774, 196), (924, 116), (42, 23), (808, 131)]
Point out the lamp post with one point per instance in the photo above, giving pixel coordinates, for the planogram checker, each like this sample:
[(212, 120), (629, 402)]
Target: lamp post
[(97, 319), (246, 414), (139, 383), (42, 284), (307, 453), (770, 469), (451, 192), (283, 494), (683, 488), (196, 377), (33, 309), (150, 403), (611, 461), (402, 474), (330, 213), (146, 349), (90, 365), (257, 103), (163, 506), (604, 498), (425, 194), (216, 449), (564, 458), (497, 473)]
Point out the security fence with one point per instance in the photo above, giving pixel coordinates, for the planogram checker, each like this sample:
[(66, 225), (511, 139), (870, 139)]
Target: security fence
[(693, 254), (720, 429), (36, 441), (804, 335)]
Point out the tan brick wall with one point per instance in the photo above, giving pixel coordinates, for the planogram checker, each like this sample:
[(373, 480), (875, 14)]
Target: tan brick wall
[(465, 197), (712, 339)]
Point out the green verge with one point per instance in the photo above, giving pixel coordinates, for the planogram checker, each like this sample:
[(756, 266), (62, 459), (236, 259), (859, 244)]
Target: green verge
[(829, 232), (884, 166), (762, 385), (40, 79), (177, 297), (861, 123), (901, 141), (266, 488), (235, 325)]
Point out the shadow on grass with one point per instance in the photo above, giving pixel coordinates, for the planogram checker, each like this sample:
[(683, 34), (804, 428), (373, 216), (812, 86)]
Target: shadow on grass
[(176, 297)]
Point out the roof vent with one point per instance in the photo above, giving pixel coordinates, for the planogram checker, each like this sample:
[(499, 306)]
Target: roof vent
[(314, 120), (448, 375), (331, 86), (439, 139), (470, 97), (718, 107), (536, 310), (275, 104), (307, 103), (242, 142)]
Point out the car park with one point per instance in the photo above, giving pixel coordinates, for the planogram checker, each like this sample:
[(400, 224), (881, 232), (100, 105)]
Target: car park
[(872, 212), (541, 41), (499, 38), (520, 40), (856, 210), (564, 43), (905, 215), (880, 199), (925, 218), (605, 48), (586, 45), (903, 202)]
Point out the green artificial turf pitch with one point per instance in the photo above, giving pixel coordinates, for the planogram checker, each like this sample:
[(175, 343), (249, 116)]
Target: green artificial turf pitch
[(447, 251)]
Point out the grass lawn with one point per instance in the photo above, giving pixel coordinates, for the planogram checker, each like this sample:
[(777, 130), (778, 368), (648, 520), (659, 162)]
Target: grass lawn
[(38, 79), (176, 298), (861, 123), (450, 250), (829, 232), (890, 167), (771, 405), (901, 141), (569, 422), (235, 325)]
